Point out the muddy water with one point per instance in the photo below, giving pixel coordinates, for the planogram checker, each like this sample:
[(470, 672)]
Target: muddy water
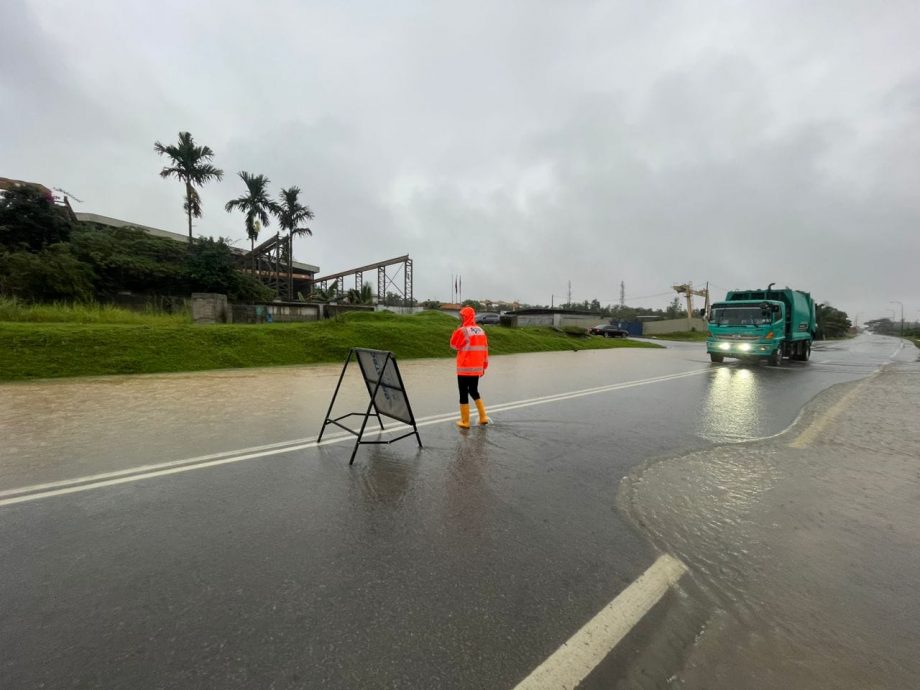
[(805, 559), (60, 429)]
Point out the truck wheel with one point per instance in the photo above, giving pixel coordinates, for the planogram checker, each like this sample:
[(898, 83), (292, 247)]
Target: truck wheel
[(715, 358), (806, 351), (776, 359)]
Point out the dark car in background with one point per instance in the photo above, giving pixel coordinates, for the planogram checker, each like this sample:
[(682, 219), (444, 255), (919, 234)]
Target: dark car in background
[(488, 317), (608, 330)]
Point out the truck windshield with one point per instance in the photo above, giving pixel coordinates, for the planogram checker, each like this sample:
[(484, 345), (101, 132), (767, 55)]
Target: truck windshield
[(739, 316)]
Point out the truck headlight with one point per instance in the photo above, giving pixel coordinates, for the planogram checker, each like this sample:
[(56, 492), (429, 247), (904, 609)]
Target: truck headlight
[(724, 346), (744, 347)]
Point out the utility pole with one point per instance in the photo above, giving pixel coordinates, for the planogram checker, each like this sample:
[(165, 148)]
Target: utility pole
[(894, 301), (622, 294), (570, 295)]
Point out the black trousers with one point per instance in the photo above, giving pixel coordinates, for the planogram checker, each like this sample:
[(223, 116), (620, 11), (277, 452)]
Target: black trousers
[(469, 388)]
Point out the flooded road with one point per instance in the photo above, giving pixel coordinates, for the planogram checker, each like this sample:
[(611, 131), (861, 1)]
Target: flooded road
[(803, 550), (463, 564)]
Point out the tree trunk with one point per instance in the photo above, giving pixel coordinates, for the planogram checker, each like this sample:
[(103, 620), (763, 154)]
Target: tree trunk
[(291, 266), (188, 202)]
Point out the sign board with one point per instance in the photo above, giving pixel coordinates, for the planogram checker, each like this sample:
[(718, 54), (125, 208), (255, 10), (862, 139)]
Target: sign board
[(387, 396), (380, 373)]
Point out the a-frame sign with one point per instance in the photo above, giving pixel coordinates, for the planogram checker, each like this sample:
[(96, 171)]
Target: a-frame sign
[(387, 396)]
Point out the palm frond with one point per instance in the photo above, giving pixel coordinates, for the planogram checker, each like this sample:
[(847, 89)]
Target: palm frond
[(291, 213)]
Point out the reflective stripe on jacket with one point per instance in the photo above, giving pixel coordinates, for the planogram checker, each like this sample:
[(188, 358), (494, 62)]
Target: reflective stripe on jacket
[(472, 347)]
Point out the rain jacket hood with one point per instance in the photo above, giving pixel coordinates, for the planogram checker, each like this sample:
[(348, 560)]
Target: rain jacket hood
[(471, 344)]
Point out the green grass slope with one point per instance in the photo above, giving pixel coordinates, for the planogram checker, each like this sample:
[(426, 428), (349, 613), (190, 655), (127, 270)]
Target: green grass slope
[(51, 350)]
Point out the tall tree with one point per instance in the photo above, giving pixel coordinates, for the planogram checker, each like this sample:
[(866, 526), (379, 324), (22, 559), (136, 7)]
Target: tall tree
[(291, 213), (832, 323), (256, 204), (291, 217), (191, 164)]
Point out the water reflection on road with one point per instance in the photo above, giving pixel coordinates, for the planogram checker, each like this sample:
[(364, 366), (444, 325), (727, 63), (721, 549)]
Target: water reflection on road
[(732, 410)]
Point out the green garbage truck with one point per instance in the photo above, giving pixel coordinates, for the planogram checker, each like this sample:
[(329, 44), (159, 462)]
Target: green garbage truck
[(762, 324)]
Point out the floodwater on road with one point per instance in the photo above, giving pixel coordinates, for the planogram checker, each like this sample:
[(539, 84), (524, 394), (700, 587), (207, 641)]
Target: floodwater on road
[(461, 564), (804, 549), (56, 429)]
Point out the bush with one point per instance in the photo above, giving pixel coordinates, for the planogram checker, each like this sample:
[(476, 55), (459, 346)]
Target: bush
[(211, 267), (29, 220), (127, 259), (13, 310), (46, 276)]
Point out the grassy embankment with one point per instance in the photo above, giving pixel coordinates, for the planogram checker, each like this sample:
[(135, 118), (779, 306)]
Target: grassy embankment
[(682, 335), (92, 341)]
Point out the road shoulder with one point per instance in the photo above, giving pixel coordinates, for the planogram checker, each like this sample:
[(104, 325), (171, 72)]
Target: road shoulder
[(805, 546)]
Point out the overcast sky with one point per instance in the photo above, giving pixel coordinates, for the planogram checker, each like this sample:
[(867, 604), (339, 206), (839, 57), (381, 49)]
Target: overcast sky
[(522, 145)]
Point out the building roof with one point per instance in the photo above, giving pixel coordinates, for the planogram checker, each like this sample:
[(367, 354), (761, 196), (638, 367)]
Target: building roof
[(9, 184)]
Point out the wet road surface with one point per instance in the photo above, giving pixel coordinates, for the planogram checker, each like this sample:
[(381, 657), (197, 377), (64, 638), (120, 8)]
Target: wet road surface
[(463, 564), (803, 550)]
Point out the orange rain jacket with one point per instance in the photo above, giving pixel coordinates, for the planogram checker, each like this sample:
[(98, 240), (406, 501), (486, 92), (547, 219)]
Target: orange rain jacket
[(471, 345)]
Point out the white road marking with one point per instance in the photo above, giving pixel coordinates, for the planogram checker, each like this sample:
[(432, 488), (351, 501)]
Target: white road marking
[(574, 660), (35, 492)]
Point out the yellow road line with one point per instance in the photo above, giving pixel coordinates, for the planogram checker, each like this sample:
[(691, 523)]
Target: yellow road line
[(808, 436)]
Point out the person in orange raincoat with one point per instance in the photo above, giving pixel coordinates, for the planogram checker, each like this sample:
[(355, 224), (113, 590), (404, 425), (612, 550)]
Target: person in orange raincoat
[(472, 348)]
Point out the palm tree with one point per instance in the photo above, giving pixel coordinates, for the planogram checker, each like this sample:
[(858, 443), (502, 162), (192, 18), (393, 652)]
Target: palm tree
[(364, 295), (193, 203), (191, 164), (328, 295), (291, 214), (256, 204)]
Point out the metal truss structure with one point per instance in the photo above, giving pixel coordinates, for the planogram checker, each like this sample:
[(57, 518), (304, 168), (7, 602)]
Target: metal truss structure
[(402, 270), (271, 263)]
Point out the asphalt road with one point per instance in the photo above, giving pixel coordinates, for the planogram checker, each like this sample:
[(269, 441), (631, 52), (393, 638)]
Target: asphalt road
[(460, 565)]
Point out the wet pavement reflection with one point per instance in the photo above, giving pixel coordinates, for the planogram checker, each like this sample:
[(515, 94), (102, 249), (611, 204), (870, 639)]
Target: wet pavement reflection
[(802, 549), (472, 558)]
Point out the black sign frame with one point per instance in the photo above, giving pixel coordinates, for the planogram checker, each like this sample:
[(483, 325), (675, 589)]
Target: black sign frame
[(376, 385)]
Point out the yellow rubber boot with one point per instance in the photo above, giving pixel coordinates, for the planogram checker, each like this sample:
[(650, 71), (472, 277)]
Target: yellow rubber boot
[(483, 419), (464, 422)]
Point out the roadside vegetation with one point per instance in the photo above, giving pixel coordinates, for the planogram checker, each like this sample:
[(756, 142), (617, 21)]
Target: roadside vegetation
[(48, 349), (693, 336), (15, 310)]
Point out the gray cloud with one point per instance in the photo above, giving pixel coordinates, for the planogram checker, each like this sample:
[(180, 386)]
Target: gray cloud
[(522, 145)]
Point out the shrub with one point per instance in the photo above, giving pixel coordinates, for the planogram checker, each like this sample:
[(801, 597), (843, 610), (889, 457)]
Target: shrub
[(45, 276), (29, 220)]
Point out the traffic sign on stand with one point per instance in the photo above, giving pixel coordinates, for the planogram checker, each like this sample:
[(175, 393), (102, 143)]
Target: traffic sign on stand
[(387, 396)]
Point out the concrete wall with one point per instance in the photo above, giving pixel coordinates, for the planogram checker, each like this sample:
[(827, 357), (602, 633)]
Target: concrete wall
[(276, 312), (557, 320), (210, 307), (674, 326)]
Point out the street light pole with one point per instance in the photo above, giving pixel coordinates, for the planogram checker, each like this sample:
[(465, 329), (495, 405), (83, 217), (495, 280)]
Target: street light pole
[(894, 301)]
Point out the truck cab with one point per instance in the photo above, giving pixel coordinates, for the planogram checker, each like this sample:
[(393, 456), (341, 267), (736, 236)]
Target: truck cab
[(746, 330), (762, 324)]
